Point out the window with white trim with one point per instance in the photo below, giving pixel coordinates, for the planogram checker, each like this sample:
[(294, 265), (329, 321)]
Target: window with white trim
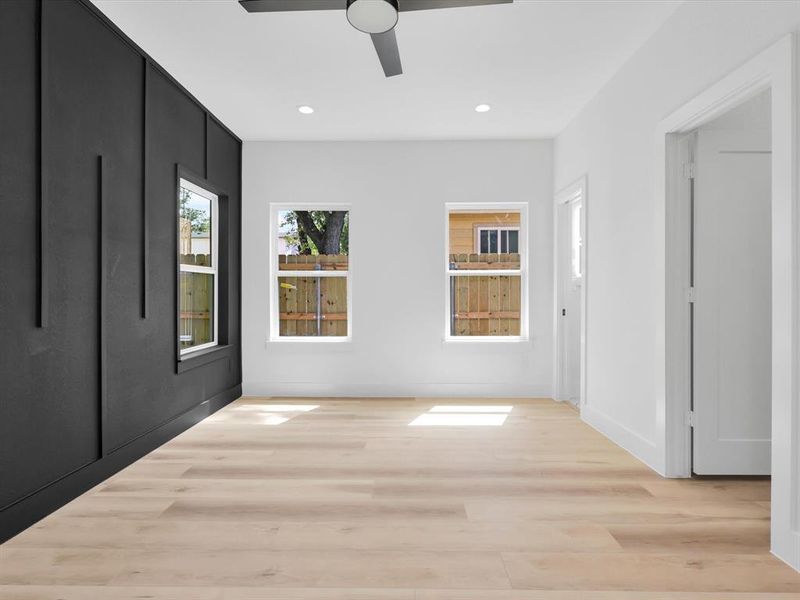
[(198, 257), (310, 273), (486, 272)]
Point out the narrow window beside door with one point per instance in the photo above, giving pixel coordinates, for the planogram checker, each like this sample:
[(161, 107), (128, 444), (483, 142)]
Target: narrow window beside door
[(576, 241)]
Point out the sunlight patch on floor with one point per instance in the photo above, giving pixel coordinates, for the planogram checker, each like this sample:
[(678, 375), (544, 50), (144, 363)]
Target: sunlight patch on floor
[(453, 415), (262, 414), (276, 408), (448, 408)]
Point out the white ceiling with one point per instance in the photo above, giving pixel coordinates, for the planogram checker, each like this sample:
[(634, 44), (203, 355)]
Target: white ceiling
[(536, 62)]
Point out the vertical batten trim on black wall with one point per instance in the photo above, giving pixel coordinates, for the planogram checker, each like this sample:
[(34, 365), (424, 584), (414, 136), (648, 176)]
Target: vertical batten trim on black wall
[(205, 144), (239, 259), (41, 183), (176, 252), (145, 274), (101, 306), (131, 394)]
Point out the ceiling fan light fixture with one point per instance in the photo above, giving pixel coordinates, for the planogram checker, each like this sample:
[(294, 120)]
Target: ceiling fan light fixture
[(372, 16)]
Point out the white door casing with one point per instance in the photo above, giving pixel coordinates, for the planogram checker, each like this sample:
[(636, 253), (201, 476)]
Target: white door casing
[(670, 452), (569, 311), (570, 291)]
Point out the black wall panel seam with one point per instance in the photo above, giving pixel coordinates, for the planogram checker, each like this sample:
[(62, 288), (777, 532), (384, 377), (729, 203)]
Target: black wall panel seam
[(239, 266), (176, 252), (41, 195), (205, 145), (101, 307), (145, 268), (98, 14)]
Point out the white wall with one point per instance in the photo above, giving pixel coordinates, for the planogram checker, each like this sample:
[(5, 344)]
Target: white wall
[(613, 142), (397, 192)]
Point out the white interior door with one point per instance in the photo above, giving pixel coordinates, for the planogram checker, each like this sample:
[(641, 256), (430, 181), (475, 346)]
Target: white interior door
[(570, 274), (732, 303)]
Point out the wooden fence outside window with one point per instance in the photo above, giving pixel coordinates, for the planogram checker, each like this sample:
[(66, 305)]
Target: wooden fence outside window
[(313, 306), (485, 305)]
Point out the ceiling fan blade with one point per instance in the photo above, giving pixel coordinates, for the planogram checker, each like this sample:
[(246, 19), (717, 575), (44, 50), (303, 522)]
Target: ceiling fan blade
[(406, 5), (386, 47), (290, 5)]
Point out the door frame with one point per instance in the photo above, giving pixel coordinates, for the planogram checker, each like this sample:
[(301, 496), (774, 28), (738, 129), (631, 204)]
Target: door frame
[(574, 191), (774, 69)]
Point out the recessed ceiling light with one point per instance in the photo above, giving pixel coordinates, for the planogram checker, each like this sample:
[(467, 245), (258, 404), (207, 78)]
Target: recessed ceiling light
[(483, 108), (306, 110)]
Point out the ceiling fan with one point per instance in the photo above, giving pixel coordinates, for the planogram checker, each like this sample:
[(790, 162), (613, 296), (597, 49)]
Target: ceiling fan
[(375, 17)]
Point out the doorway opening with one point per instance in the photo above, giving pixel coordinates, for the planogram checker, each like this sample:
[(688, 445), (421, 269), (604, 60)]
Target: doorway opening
[(772, 69), (727, 196), (570, 288)]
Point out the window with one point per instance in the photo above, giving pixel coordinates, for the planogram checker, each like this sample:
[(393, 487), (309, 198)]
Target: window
[(577, 242), (502, 240), (310, 274), (486, 272), (197, 259)]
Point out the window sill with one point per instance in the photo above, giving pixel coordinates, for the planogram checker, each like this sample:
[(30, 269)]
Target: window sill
[(310, 340), (192, 360), (485, 339)]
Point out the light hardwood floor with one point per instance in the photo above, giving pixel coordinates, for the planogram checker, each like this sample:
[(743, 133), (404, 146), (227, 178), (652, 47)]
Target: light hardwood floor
[(349, 502)]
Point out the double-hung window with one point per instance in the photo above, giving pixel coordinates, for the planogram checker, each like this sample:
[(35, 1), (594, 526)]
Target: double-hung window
[(486, 272), (310, 273), (198, 258)]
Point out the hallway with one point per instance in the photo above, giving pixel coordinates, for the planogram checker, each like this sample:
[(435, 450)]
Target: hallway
[(343, 499)]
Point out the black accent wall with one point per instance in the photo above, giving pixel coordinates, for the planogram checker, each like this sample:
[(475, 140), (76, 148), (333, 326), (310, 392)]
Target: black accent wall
[(93, 135)]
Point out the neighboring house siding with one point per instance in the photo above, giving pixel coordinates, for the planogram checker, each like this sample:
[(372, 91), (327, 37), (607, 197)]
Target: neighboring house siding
[(464, 225)]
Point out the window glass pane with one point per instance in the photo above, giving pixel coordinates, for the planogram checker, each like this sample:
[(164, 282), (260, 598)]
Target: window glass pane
[(195, 228), (503, 241), (196, 309), (484, 246), (313, 240), (312, 306), (485, 305), (577, 242), (493, 242), (513, 242)]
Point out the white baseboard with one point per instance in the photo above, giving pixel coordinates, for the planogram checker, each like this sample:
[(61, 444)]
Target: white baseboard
[(643, 449), (394, 390), (786, 547)]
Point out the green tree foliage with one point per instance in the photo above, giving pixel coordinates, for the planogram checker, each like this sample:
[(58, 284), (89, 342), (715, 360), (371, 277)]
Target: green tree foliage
[(200, 219), (318, 231)]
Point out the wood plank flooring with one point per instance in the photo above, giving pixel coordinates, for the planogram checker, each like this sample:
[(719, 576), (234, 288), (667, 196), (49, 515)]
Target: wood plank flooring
[(349, 502)]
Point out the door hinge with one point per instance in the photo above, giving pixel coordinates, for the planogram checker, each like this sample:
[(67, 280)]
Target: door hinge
[(691, 418), (688, 170), (691, 294)]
